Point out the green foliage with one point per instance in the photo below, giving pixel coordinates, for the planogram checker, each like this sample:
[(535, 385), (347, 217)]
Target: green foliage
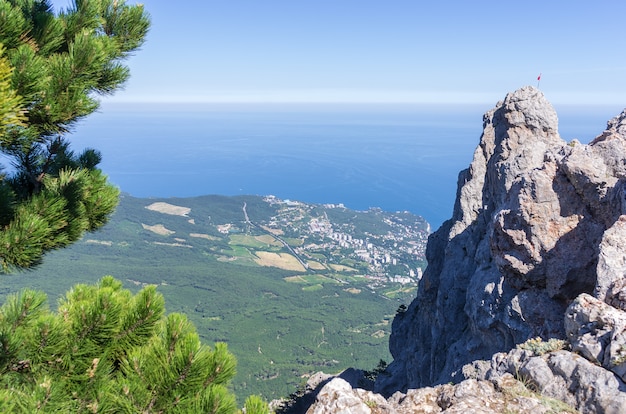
[(373, 374), (69, 204), (619, 357), (106, 350), (11, 113), (255, 404), (52, 68), (518, 387), (272, 326), (539, 347)]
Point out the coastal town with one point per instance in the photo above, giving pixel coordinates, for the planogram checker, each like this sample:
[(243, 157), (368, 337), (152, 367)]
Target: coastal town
[(314, 245), (385, 247)]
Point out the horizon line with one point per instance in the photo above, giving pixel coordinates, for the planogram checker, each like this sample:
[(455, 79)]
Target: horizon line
[(344, 103), (353, 97)]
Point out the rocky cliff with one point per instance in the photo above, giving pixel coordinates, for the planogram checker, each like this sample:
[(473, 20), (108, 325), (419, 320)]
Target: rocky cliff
[(528, 277), (535, 224)]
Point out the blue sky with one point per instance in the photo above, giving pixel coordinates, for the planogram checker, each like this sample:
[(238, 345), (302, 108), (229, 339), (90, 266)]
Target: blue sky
[(378, 51)]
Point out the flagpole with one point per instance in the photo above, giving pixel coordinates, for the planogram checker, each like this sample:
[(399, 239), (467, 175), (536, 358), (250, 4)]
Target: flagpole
[(538, 80)]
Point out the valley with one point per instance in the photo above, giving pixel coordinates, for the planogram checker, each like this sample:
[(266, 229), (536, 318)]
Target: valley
[(292, 287)]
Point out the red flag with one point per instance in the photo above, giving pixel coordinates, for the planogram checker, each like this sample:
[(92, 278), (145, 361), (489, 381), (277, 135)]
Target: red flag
[(539, 77)]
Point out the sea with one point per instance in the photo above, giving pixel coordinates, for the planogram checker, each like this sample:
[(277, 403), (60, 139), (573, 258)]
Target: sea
[(394, 157)]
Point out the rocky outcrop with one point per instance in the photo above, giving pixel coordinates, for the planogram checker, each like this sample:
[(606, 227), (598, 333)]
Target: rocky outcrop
[(526, 281), (536, 223), (597, 331), (564, 376), (470, 396), (504, 394)]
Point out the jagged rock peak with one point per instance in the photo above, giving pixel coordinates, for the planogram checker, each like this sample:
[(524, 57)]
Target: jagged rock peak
[(528, 108), (537, 222), (516, 135), (530, 269), (615, 129)]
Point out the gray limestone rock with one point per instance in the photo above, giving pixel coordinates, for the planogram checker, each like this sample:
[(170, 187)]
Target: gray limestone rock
[(339, 397), (611, 269), (564, 376), (536, 222), (505, 394), (534, 254), (598, 332)]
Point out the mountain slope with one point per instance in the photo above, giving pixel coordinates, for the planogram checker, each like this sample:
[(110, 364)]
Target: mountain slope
[(240, 278)]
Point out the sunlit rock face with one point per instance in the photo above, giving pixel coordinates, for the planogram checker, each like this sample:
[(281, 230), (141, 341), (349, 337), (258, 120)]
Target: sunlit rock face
[(527, 280), (537, 221)]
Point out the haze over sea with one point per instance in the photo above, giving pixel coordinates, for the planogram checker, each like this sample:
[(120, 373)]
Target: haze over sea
[(396, 157)]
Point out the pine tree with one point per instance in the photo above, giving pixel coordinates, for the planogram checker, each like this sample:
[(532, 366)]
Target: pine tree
[(104, 350), (53, 67), (107, 351)]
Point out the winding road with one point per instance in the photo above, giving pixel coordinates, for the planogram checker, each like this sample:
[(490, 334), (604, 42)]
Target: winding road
[(284, 243)]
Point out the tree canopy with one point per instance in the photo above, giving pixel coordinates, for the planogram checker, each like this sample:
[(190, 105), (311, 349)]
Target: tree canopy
[(107, 350), (53, 68), (104, 350)]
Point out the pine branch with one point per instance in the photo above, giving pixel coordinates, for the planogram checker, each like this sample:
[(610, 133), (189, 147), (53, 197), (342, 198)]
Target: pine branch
[(66, 361), (144, 312), (52, 69), (21, 309)]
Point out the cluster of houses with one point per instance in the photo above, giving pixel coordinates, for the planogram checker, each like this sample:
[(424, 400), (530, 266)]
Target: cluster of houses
[(397, 256)]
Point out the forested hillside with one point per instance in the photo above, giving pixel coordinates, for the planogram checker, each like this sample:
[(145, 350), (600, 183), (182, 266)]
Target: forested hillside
[(238, 283)]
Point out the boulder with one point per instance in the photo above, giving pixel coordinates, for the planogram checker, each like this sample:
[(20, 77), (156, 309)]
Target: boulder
[(597, 331), (564, 376), (505, 394)]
